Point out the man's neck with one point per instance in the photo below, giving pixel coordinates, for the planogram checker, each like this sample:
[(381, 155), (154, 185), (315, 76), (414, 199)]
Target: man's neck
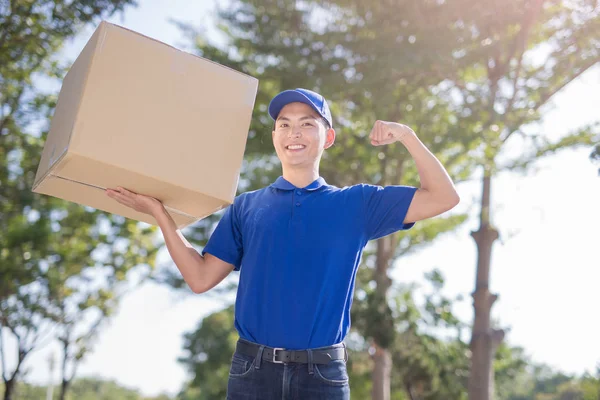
[(301, 177)]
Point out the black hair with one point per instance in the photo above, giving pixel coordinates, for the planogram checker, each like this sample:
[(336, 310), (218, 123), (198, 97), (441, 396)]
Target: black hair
[(326, 123), (323, 120)]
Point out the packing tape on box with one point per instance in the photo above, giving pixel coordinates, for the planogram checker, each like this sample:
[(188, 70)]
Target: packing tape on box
[(170, 209)]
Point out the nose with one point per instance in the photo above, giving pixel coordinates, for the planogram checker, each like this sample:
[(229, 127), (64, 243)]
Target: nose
[(294, 133)]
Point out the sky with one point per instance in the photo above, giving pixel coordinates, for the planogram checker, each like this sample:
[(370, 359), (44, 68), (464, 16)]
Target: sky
[(545, 267)]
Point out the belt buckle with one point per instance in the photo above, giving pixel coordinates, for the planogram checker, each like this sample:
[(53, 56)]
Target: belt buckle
[(275, 353)]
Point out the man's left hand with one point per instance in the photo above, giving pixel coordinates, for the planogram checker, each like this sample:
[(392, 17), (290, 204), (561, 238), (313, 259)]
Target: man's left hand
[(389, 132)]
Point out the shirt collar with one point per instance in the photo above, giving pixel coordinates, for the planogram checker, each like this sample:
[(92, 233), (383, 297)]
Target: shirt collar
[(283, 184)]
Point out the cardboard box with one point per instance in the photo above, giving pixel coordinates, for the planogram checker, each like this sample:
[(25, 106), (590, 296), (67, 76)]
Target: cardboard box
[(137, 113)]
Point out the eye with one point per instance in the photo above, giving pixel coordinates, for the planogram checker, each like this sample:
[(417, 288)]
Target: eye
[(308, 124), (283, 125)]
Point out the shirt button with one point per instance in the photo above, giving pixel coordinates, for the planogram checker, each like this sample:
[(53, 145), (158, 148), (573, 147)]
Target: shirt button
[(298, 204), (299, 193)]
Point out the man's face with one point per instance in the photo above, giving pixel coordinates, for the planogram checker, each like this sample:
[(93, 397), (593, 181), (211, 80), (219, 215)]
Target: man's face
[(300, 136)]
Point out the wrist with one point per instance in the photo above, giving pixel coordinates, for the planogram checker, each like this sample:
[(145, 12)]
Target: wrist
[(408, 137), (159, 212)]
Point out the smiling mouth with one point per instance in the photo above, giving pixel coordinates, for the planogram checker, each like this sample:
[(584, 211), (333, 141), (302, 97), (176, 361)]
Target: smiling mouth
[(295, 147)]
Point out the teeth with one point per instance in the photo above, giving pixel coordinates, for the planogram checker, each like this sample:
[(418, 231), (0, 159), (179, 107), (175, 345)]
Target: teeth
[(295, 146)]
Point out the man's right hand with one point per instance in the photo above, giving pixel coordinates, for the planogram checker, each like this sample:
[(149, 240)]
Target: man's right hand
[(139, 202)]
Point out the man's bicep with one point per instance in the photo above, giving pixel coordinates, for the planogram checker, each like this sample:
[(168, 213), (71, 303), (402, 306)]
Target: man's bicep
[(216, 263), (424, 206), (215, 270)]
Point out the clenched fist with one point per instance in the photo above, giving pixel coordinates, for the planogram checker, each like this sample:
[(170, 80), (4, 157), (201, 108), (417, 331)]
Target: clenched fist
[(389, 132)]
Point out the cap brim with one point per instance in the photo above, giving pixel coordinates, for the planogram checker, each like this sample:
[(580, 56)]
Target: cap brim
[(287, 97)]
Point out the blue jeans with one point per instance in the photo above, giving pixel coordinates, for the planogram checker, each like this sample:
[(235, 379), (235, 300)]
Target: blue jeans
[(252, 378)]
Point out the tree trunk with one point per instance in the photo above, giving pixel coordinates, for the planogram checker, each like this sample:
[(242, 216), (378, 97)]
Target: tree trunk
[(382, 372), (9, 383), (9, 387), (410, 391), (382, 359), (484, 339), (64, 381), (64, 386)]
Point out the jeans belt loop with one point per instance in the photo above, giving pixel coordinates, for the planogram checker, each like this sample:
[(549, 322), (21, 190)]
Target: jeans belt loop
[(310, 362), (345, 353), (259, 357)]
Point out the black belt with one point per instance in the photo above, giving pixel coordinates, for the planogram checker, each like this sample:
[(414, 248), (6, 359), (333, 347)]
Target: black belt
[(280, 356)]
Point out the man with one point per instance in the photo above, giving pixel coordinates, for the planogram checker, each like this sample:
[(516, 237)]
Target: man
[(297, 244)]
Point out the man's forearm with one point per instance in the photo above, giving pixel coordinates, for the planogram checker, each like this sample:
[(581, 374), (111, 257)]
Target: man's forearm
[(189, 262), (200, 273), (432, 174)]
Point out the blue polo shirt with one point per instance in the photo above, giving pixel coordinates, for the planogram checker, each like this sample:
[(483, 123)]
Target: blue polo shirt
[(298, 251)]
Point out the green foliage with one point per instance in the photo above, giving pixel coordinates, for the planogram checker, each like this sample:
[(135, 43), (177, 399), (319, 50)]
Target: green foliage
[(540, 382), (86, 389), (430, 360), (520, 56), (595, 156), (24, 391), (208, 351), (465, 75), (60, 263)]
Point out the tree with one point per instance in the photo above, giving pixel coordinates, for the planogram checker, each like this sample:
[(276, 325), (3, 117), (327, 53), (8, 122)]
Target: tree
[(430, 359), (30, 33), (208, 354), (278, 43), (521, 54), (78, 292), (38, 233), (458, 72), (73, 284)]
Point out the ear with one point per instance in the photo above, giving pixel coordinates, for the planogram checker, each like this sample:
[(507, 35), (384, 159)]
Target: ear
[(329, 138)]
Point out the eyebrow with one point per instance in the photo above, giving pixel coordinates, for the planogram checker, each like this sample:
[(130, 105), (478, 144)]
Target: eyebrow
[(301, 119)]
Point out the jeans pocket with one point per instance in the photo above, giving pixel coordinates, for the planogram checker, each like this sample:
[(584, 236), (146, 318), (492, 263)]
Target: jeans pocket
[(334, 373), (241, 365)]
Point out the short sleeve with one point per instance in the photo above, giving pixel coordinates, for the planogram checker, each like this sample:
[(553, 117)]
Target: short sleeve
[(386, 208), (226, 241)]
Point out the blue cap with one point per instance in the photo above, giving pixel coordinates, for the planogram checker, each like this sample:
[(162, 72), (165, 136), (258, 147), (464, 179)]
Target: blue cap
[(313, 99)]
